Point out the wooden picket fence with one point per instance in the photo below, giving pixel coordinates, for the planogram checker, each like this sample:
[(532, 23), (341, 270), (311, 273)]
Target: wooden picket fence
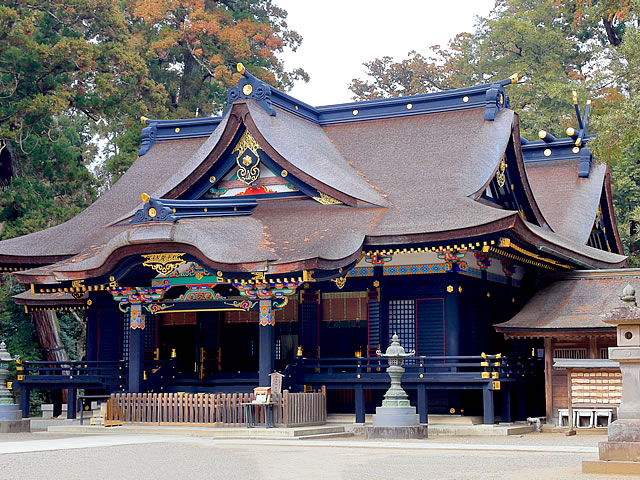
[(214, 409)]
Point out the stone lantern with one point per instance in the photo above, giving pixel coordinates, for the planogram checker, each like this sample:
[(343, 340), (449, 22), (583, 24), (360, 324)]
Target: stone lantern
[(621, 453), (10, 414), (396, 418)]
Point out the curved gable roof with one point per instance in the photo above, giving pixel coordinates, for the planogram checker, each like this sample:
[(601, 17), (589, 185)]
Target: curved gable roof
[(569, 202)]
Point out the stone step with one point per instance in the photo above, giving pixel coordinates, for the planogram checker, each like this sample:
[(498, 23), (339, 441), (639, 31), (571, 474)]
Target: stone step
[(433, 419), (322, 436), (203, 431), (480, 430)]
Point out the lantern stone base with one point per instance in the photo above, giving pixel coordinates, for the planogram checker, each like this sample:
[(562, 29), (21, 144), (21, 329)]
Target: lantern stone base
[(10, 411), (396, 417), (621, 453), (401, 433), (396, 422), (15, 426)]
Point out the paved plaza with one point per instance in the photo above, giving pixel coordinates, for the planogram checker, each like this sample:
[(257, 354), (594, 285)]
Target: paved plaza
[(158, 457)]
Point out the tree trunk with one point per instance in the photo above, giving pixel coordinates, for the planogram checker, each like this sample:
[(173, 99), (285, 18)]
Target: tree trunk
[(48, 333), (611, 33)]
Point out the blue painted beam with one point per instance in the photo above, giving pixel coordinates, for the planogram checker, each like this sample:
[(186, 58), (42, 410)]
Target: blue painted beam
[(167, 210)]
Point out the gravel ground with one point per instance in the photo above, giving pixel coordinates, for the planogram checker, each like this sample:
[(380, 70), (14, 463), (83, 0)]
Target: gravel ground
[(197, 458)]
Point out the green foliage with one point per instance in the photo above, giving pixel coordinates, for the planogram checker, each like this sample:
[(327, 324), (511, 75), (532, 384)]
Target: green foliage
[(625, 176), (16, 328)]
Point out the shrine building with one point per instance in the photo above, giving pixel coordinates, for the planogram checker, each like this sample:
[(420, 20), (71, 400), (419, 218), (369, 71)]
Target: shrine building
[(285, 237)]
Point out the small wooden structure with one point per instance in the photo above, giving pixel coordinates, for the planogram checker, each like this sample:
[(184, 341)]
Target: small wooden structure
[(591, 384), (217, 409)]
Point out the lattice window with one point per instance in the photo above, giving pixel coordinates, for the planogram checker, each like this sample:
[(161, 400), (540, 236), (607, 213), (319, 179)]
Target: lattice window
[(278, 349), (604, 352), (125, 336), (150, 332), (572, 353), (402, 321)]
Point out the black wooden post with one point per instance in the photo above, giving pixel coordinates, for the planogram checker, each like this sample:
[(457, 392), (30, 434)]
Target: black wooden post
[(266, 354), (136, 360), (487, 404), (24, 401), (359, 394), (56, 399), (92, 333), (505, 400), (71, 402), (423, 403)]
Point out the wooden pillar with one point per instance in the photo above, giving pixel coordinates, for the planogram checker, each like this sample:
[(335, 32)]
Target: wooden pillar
[(71, 403), (266, 343), (548, 378), (452, 319), (423, 403), (487, 405), (570, 403), (24, 401), (56, 399), (136, 360), (505, 403), (92, 334), (593, 347), (359, 399), (452, 333)]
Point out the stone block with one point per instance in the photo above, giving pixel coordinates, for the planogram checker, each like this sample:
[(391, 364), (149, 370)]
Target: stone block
[(604, 467), (47, 410), (619, 451), (15, 426), (401, 433), (626, 430)]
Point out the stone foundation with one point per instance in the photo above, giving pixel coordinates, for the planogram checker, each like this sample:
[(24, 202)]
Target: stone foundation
[(15, 426), (401, 433)]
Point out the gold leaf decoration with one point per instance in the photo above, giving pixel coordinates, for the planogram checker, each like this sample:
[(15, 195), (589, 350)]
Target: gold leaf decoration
[(163, 263), (340, 282), (248, 170), (325, 199)]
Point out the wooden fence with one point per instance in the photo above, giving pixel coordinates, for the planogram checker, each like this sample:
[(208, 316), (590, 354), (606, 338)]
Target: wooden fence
[(214, 409)]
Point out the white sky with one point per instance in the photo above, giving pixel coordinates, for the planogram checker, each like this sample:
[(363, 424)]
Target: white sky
[(340, 35)]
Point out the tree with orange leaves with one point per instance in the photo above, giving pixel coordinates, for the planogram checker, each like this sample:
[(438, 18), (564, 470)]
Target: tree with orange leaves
[(192, 46)]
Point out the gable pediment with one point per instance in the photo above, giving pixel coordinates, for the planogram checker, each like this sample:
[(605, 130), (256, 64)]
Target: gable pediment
[(284, 159)]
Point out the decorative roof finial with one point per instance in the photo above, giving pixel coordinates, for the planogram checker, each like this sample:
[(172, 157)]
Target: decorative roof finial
[(251, 87), (629, 295)]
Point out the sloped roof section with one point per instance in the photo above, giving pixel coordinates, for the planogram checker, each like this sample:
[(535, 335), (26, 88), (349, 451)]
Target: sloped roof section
[(308, 149), (568, 202), (572, 302), (427, 167), (85, 229)]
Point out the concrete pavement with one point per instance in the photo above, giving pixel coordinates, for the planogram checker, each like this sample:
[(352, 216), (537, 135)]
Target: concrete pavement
[(159, 457)]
